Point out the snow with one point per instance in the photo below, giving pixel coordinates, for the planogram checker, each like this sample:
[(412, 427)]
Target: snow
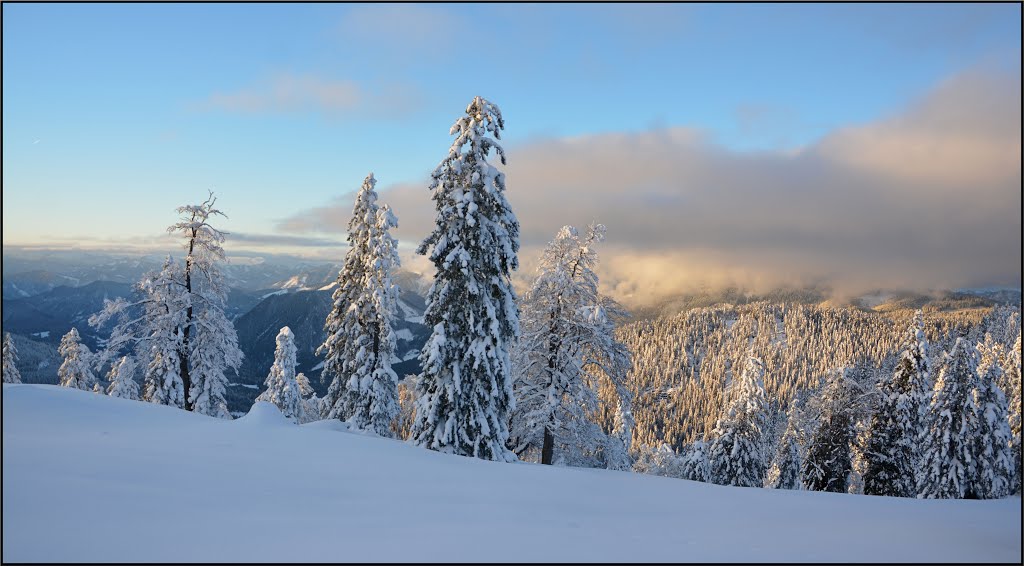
[(403, 334), (410, 313), (281, 292), (264, 414), (410, 355), (78, 467), (297, 282), (246, 385), (43, 334)]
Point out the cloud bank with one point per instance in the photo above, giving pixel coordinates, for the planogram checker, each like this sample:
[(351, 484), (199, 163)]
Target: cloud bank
[(925, 199)]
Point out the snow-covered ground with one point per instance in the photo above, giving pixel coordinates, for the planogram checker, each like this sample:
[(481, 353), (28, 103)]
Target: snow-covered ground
[(92, 478)]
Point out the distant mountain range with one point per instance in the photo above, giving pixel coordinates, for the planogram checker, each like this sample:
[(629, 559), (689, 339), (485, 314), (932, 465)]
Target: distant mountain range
[(40, 305), (30, 273), (44, 296)]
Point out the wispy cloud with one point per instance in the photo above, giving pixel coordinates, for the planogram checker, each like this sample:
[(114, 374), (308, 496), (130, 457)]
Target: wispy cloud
[(928, 198), (402, 33), (293, 93)]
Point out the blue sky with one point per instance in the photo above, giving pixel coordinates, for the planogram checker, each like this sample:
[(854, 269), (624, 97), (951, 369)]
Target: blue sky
[(115, 114)]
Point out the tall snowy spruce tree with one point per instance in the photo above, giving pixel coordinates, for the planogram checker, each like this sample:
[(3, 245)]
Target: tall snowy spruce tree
[(993, 455), (281, 386), (465, 389), (11, 373), (567, 347), (736, 452), (361, 341), (209, 344), (892, 449), (122, 379), (76, 370), (152, 327), (827, 464), (952, 426)]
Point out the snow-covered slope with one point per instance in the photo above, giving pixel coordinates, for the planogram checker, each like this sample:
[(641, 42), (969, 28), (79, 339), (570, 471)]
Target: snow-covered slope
[(92, 478)]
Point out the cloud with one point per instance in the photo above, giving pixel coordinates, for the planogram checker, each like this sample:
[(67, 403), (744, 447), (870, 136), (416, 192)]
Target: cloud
[(285, 240), (402, 33), (925, 199), (291, 93), (966, 132)]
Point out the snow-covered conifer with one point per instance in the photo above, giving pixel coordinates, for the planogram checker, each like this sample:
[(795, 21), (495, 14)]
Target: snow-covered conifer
[(166, 305), (1011, 376), (952, 427), (916, 370), (465, 392), (209, 343), (122, 379), (567, 347), (152, 327), (214, 348), (892, 445), (827, 464), (76, 371), (310, 401), (11, 374), (660, 461), (281, 386), (360, 340), (785, 469), (992, 452), (736, 453), (693, 463)]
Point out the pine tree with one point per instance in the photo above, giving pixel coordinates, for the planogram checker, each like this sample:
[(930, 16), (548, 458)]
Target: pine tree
[(465, 390), (152, 327), (993, 454), (373, 387), (360, 340), (694, 464), (828, 464), (11, 373), (166, 304), (736, 453), (310, 401), (953, 424), (567, 347), (785, 470), (122, 380), (76, 371), (209, 344), (183, 338), (891, 451), (1011, 371), (214, 348), (281, 386), (660, 461)]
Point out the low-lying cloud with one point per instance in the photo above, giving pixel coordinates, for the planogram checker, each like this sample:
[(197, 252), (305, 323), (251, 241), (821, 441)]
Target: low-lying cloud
[(926, 199)]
